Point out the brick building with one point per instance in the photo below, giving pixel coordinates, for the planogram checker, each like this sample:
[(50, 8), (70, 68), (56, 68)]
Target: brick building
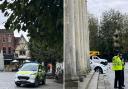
[(7, 45)]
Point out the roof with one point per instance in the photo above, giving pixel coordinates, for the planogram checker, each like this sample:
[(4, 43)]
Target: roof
[(17, 40), (23, 38), (5, 31)]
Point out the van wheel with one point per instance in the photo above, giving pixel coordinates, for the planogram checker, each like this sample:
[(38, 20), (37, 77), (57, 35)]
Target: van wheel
[(36, 83), (18, 84), (98, 69), (44, 81)]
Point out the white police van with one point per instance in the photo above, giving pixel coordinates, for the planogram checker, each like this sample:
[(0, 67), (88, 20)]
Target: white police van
[(98, 67)]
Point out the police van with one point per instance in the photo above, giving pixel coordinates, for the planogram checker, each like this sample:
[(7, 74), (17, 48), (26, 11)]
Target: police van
[(98, 67), (31, 73)]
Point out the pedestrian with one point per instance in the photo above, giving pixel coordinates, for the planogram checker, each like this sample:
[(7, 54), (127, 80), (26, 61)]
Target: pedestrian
[(122, 72), (117, 67)]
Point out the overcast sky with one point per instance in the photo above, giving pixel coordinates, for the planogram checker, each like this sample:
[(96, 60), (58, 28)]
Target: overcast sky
[(95, 7)]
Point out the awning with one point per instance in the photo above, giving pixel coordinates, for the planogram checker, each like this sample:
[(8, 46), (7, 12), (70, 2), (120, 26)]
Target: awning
[(14, 61), (27, 61)]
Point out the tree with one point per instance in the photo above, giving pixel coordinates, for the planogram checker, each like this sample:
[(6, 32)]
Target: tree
[(125, 33), (112, 21), (93, 35), (43, 19)]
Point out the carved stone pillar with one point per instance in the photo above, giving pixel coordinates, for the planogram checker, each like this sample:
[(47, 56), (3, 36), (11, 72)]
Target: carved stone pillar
[(75, 42), (71, 80), (1, 61)]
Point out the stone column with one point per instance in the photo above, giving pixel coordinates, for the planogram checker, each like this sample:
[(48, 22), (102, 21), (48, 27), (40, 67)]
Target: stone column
[(75, 42), (1, 61), (79, 41), (81, 21), (84, 19), (86, 35), (70, 76)]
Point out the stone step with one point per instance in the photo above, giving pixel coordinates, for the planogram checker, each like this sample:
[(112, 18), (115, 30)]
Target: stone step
[(86, 81), (103, 82), (93, 82)]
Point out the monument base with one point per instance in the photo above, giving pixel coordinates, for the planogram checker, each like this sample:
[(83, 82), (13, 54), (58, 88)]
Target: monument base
[(81, 78), (71, 83)]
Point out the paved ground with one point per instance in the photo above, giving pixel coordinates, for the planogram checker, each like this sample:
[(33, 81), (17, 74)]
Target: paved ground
[(7, 82), (110, 76)]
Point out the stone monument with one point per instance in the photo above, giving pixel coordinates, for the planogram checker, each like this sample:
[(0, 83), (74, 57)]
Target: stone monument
[(1, 61), (76, 42)]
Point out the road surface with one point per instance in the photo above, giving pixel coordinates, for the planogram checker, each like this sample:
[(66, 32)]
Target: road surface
[(7, 82)]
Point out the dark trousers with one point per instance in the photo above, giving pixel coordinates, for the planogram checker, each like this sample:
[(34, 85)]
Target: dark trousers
[(118, 78), (122, 78)]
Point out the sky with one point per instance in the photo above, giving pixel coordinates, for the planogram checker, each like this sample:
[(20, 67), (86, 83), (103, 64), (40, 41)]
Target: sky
[(95, 7)]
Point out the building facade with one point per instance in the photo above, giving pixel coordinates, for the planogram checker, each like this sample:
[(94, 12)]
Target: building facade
[(13, 48), (22, 52), (7, 45)]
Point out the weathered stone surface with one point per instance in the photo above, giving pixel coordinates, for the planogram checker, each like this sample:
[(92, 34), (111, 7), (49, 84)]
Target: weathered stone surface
[(72, 84), (86, 81), (1, 61), (69, 38), (75, 42), (94, 81)]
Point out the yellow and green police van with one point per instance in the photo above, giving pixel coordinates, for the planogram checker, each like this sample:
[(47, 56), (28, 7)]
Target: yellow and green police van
[(30, 73)]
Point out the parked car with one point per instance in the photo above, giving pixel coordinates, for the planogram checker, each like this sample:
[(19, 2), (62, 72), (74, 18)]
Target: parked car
[(97, 59), (98, 67), (30, 73)]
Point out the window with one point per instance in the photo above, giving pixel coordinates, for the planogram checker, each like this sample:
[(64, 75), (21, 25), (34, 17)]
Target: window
[(29, 67), (16, 55), (9, 50), (22, 52), (3, 39), (4, 50), (9, 38), (95, 58)]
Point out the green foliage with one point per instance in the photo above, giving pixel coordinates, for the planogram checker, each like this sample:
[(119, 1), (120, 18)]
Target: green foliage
[(44, 52), (43, 19), (101, 35), (93, 30), (124, 37), (112, 21)]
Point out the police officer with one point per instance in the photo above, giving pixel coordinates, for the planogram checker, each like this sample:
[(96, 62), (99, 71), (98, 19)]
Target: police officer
[(122, 72), (117, 67)]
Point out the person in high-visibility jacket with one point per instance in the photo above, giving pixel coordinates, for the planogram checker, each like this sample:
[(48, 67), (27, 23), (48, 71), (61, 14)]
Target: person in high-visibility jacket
[(117, 67), (122, 72)]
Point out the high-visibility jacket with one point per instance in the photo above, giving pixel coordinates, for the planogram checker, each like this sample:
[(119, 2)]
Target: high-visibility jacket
[(116, 63)]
